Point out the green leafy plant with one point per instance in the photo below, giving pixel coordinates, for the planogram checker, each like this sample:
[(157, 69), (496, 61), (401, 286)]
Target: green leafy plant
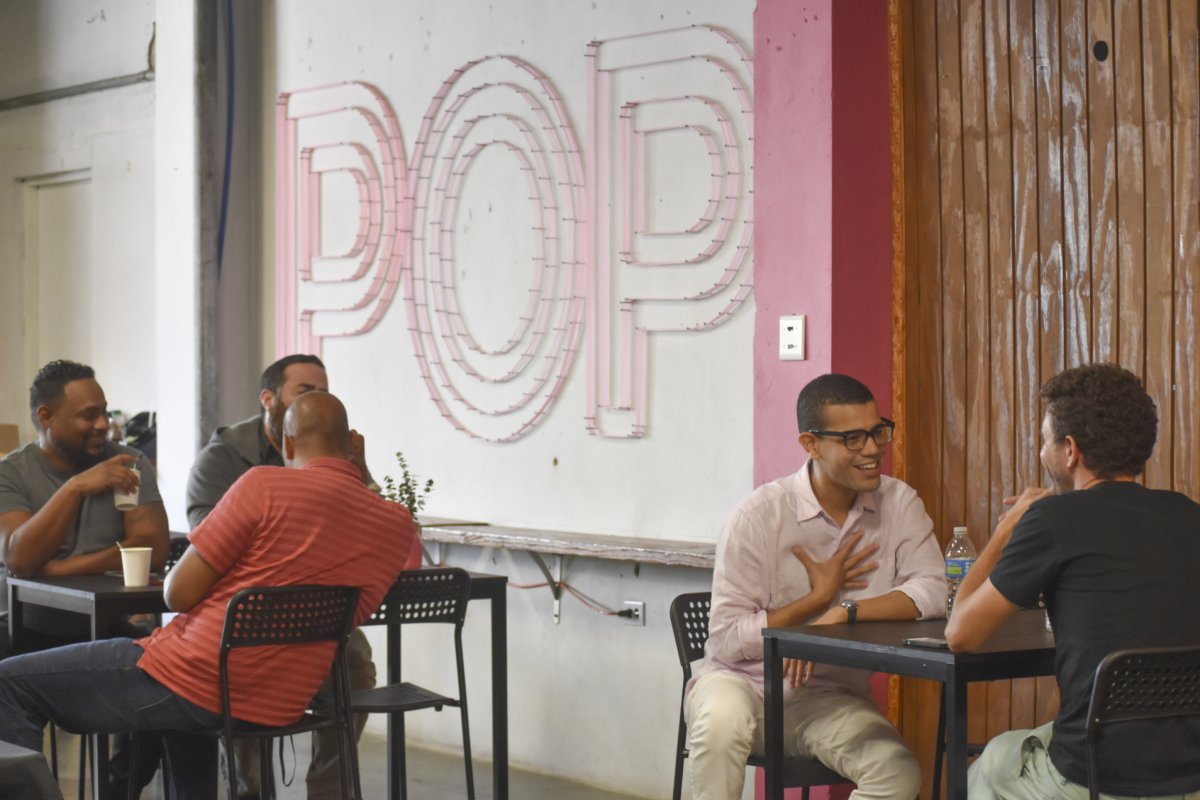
[(407, 491)]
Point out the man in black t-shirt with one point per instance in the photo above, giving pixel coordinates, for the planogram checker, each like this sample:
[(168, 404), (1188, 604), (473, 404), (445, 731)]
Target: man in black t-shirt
[(1116, 564)]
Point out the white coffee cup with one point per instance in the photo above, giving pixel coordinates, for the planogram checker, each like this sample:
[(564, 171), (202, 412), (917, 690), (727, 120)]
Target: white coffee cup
[(128, 501), (135, 563)]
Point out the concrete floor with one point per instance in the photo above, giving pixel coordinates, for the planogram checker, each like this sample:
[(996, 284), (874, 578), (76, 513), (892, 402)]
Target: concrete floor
[(431, 775)]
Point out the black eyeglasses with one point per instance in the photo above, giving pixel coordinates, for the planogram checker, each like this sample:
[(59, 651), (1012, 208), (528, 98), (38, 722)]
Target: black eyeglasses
[(857, 439)]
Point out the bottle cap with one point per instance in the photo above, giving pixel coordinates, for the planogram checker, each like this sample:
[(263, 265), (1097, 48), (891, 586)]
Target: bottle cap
[(960, 530)]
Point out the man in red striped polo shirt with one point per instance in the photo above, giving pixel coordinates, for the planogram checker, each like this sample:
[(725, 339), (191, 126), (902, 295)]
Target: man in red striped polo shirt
[(313, 522)]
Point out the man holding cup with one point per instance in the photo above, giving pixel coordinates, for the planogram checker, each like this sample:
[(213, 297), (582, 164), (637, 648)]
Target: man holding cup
[(58, 495)]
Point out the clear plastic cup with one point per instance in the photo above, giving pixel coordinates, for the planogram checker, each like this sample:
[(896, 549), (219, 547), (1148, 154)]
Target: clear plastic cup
[(128, 501)]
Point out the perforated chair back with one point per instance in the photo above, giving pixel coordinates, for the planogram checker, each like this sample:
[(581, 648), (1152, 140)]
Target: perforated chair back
[(689, 624), (289, 615), (425, 595), (175, 550), (1139, 685)]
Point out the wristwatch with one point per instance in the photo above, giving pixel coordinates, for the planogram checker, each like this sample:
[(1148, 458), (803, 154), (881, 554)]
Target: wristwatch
[(851, 610)]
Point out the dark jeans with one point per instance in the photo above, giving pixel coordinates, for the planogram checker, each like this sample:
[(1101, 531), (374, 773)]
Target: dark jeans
[(97, 687)]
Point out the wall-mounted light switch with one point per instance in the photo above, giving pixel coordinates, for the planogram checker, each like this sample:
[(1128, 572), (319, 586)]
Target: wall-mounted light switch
[(791, 338)]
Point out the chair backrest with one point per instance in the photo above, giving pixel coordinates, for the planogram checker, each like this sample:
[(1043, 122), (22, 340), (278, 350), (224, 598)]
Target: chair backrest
[(175, 550), (1145, 684), (277, 615), (689, 623), (425, 595)]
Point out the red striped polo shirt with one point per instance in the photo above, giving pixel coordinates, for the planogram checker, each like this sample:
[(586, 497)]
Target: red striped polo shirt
[(280, 527)]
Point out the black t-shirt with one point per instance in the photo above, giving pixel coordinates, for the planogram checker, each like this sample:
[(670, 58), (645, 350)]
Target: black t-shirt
[(1117, 564)]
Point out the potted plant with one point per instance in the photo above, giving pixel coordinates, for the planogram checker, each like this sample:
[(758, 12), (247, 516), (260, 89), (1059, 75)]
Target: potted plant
[(408, 490)]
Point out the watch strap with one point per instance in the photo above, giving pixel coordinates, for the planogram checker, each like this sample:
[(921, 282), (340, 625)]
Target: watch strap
[(851, 611)]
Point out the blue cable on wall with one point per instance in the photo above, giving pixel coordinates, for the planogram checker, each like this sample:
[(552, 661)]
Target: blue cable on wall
[(228, 135)]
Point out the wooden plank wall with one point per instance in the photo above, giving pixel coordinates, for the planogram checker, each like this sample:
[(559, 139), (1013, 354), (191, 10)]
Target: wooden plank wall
[(1049, 216)]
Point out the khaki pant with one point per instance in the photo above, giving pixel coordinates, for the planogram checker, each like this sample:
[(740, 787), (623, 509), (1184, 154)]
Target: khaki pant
[(845, 732), (1016, 766), (323, 772)]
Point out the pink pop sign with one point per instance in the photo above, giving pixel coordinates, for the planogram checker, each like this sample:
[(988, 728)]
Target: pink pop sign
[(606, 267)]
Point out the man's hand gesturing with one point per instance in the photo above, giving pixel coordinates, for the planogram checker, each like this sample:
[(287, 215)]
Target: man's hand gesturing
[(842, 570)]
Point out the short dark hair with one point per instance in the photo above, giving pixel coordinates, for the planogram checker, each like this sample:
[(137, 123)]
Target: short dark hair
[(828, 390), (1107, 411), (272, 377), (50, 384)]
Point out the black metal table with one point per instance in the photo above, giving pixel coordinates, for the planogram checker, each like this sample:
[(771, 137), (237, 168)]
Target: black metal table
[(104, 599), (1021, 648)]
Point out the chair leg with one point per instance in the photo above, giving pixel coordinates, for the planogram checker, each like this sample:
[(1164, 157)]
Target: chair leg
[(401, 765), (466, 734), (231, 765), (168, 780), (84, 749), (132, 789), (352, 786), (680, 754), (266, 772), (54, 750)]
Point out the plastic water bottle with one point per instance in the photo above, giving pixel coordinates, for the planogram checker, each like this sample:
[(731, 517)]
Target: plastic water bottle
[(960, 556)]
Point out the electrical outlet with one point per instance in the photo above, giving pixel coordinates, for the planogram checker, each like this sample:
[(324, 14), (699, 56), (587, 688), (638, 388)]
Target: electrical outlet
[(791, 338), (639, 612)]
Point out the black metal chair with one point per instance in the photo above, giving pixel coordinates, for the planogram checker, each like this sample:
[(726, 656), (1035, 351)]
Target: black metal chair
[(289, 615), (175, 550), (418, 597), (689, 623), (1140, 685)]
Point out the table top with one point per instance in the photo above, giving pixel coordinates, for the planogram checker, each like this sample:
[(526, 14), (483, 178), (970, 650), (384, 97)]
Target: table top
[(1021, 647), (98, 585)]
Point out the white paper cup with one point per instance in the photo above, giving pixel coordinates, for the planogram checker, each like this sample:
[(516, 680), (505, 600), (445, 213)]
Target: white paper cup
[(128, 501), (135, 563)]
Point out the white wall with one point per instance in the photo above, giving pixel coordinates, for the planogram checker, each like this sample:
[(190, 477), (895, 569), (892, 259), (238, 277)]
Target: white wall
[(103, 144), (591, 698), (699, 383)]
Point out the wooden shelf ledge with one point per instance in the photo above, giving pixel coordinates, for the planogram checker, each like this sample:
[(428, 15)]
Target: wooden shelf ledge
[(562, 543)]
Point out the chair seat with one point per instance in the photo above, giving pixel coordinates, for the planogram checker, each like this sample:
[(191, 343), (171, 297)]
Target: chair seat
[(322, 718), (398, 697), (803, 772)]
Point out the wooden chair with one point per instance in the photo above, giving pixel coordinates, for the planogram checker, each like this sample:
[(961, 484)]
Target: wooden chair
[(1140, 685), (689, 623), (420, 596)]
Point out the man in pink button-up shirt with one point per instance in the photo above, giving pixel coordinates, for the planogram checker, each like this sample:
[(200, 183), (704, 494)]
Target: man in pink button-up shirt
[(837, 541)]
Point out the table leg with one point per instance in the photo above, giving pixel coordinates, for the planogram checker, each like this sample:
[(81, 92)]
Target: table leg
[(956, 738), (499, 605), (102, 624), (773, 718), (396, 766)]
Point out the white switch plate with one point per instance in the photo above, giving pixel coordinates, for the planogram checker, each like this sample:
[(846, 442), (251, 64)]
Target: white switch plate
[(791, 338)]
